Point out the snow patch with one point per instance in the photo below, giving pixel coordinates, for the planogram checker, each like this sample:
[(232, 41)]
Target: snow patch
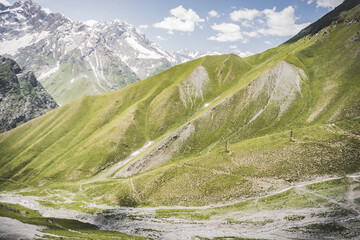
[(134, 69), (143, 52), (12, 46), (50, 72), (124, 58), (90, 23), (134, 154), (5, 3), (208, 104), (78, 77), (46, 10)]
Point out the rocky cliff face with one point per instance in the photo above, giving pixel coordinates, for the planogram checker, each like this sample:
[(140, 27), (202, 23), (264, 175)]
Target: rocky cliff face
[(22, 97), (72, 59)]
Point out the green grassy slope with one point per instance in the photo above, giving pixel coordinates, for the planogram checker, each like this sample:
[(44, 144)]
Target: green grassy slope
[(250, 167), (97, 131), (189, 112), (75, 79), (56, 228)]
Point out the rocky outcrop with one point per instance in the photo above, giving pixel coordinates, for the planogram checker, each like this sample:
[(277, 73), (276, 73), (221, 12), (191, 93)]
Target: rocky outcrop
[(22, 97)]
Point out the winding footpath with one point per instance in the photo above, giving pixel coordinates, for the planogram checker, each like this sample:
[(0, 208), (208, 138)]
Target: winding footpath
[(269, 224)]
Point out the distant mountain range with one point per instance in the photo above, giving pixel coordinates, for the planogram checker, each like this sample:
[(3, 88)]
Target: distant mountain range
[(188, 55), (72, 59)]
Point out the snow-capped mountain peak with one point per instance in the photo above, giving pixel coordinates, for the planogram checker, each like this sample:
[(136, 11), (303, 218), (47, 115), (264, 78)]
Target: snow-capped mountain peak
[(72, 58), (188, 55), (90, 23), (5, 3)]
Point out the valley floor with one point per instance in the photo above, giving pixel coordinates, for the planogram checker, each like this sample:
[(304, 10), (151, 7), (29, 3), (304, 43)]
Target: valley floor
[(327, 208)]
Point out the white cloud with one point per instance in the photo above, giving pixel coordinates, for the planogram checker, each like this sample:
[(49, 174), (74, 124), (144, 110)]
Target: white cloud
[(233, 46), (247, 25), (326, 3), (160, 38), (269, 21), (260, 21), (251, 34), (281, 23), (268, 42), (181, 20), (228, 32), (248, 14), (145, 26), (245, 41), (213, 13)]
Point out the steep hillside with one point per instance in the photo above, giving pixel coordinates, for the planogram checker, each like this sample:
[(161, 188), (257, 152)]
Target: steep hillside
[(345, 13), (213, 129), (73, 59), (22, 97)]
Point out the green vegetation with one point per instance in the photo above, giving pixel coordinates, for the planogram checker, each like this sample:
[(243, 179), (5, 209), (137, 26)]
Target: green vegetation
[(328, 227), (75, 78), (233, 221), (62, 228), (293, 198), (331, 189), (338, 15), (188, 113), (294, 217)]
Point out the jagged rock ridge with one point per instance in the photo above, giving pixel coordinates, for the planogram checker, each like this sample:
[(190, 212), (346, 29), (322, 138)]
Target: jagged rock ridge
[(22, 97)]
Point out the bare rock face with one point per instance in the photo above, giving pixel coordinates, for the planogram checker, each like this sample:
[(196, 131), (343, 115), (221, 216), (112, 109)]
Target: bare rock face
[(22, 97), (194, 85), (72, 59)]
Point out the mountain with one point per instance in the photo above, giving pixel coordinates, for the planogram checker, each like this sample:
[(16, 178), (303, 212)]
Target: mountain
[(188, 55), (269, 143), (170, 130), (22, 97), (72, 59)]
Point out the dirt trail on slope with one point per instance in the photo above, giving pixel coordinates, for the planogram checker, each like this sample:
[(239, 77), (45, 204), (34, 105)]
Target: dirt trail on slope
[(269, 224), (333, 128)]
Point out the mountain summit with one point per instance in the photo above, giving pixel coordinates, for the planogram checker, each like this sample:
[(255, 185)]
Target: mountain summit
[(72, 59)]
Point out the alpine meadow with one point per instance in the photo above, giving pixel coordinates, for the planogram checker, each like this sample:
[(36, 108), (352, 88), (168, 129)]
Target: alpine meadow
[(220, 147)]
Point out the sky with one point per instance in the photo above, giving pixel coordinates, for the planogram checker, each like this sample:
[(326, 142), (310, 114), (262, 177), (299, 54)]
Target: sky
[(224, 26)]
